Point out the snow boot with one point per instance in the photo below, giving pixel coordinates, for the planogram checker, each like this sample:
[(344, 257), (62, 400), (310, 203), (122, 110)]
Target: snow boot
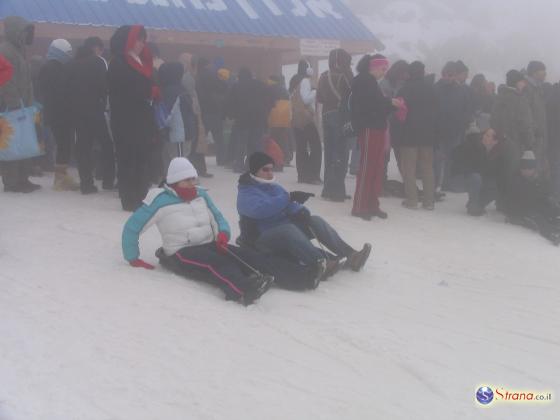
[(318, 275), (357, 259), (63, 181), (331, 268), (261, 284)]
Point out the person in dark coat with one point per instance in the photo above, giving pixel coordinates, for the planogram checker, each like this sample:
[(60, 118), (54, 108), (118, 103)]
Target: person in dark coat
[(453, 120), (471, 162), (131, 92), (334, 88), (369, 112), (57, 109), (528, 202), (512, 114), (212, 94), (248, 104), (553, 123), (483, 101), (88, 89), (418, 137)]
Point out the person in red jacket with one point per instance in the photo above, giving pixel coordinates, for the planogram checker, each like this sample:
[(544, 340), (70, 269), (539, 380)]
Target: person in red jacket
[(6, 70)]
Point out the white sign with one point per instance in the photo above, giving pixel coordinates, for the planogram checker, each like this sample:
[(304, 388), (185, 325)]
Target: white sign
[(317, 47), (298, 8)]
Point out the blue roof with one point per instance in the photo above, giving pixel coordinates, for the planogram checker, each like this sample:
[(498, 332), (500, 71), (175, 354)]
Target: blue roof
[(314, 19)]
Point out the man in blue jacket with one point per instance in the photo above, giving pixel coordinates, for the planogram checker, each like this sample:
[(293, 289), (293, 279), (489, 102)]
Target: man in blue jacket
[(274, 220)]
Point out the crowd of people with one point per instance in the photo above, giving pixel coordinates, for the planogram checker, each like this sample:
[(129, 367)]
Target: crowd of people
[(132, 120)]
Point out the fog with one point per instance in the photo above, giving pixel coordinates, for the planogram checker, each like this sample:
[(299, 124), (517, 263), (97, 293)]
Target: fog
[(490, 36)]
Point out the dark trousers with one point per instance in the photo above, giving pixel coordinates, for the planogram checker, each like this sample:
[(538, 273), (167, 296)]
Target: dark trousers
[(15, 173), (308, 153), (65, 137), (482, 190), (133, 173), (246, 140), (336, 154), (92, 128), (215, 124)]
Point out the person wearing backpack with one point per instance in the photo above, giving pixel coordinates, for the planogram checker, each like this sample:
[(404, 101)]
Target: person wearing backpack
[(334, 87), (308, 142)]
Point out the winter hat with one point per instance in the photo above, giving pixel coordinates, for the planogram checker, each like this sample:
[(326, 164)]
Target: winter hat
[(379, 61), (535, 66), (60, 50), (180, 169), (513, 77), (528, 160), (257, 160)]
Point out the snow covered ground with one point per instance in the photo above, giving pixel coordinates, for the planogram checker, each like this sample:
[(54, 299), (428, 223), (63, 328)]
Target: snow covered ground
[(447, 303)]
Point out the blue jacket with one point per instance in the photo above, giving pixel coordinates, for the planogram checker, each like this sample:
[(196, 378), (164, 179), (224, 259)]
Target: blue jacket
[(180, 223), (268, 204)]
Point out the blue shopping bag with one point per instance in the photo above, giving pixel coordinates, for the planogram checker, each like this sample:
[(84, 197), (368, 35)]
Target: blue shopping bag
[(18, 133)]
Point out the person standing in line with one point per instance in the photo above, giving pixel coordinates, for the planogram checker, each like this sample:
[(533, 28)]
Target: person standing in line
[(131, 94), (334, 88), (370, 110), (418, 137), (88, 87), (58, 110), (280, 117), (17, 90), (308, 142)]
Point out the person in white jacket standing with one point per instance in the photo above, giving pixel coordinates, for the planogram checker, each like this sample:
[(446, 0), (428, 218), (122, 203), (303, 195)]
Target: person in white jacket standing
[(308, 143)]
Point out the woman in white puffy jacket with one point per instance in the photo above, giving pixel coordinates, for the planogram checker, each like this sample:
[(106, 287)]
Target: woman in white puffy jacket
[(195, 236)]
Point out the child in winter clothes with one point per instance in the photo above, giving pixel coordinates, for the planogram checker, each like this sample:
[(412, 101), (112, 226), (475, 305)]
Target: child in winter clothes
[(282, 224), (528, 202)]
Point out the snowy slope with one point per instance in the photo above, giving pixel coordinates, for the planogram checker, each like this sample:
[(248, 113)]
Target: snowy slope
[(446, 303)]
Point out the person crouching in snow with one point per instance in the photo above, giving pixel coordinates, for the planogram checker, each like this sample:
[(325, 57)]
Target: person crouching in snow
[(280, 223), (528, 202), (195, 236)]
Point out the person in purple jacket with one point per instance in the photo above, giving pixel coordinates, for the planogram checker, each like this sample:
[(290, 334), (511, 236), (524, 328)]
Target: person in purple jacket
[(274, 220)]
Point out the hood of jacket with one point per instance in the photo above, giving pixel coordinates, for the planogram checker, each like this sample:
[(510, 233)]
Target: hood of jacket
[(123, 41), (15, 29)]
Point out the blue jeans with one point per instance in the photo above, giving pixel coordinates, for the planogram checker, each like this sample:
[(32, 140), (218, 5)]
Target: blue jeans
[(482, 191), (336, 157), (291, 241)]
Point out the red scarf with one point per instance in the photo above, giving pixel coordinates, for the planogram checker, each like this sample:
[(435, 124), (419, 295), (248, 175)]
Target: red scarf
[(146, 68), (187, 194)]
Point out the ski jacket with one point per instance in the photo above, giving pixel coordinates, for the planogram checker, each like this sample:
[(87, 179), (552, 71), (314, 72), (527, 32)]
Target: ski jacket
[(181, 224), (268, 204)]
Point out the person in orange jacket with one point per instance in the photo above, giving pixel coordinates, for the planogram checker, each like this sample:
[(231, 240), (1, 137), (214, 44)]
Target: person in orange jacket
[(6, 70)]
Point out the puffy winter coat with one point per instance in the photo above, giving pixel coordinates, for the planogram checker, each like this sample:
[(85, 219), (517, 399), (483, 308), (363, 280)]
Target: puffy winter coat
[(181, 224), (453, 113), (55, 88), (512, 117), (267, 203), (369, 108), (20, 87)]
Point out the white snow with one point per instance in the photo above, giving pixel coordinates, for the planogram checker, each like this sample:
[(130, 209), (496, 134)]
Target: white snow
[(447, 303)]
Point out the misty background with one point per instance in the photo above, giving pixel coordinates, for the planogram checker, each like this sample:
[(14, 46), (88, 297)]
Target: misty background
[(491, 37)]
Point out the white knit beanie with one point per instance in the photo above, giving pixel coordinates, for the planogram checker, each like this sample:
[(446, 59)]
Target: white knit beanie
[(62, 45), (180, 169)]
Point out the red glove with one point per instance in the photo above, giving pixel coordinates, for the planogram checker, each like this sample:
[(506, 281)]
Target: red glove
[(222, 242), (138, 263)]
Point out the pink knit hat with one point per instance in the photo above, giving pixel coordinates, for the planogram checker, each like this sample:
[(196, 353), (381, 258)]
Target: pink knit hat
[(376, 63)]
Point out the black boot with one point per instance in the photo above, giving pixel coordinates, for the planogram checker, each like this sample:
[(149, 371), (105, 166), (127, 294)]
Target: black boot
[(261, 284)]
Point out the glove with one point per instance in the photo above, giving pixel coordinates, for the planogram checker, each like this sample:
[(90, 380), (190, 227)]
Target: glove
[(302, 218), (222, 242), (138, 263), (300, 196)]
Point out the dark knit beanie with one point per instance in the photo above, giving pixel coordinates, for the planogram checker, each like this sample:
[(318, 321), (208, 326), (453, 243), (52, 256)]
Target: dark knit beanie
[(257, 160), (513, 77), (535, 66)]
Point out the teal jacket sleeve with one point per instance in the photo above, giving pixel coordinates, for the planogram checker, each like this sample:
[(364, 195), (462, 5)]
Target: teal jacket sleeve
[(223, 225), (142, 218)]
